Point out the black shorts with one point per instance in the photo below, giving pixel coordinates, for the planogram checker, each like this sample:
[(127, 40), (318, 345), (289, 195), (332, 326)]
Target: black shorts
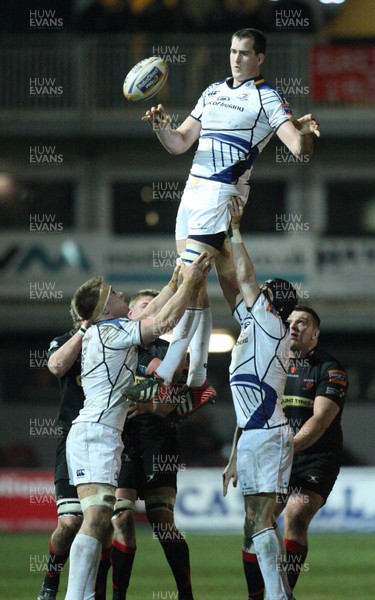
[(151, 456), (63, 489), (315, 472)]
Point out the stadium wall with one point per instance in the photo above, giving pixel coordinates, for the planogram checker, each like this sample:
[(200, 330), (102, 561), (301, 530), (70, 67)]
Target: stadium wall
[(27, 502)]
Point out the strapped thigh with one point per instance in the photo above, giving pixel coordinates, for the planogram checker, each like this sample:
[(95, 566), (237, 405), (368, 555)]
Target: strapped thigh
[(100, 494)]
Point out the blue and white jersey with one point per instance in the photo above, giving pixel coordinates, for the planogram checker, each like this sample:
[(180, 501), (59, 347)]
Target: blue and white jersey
[(236, 123), (259, 366), (109, 362)]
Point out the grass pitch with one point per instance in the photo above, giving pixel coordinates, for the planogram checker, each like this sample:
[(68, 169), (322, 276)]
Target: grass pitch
[(338, 567)]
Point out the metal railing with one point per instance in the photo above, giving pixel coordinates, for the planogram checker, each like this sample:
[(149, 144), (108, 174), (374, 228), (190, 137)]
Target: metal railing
[(73, 81)]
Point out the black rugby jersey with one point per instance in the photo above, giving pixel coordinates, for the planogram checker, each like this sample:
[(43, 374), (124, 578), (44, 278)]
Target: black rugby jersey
[(317, 374), (156, 349), (71, 392)]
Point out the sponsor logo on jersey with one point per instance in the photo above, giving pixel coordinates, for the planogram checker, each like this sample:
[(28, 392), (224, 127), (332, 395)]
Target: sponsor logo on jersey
[(337, 376), (313, 479), (223, 98), (335, 392), (80, 472), (297, 401)]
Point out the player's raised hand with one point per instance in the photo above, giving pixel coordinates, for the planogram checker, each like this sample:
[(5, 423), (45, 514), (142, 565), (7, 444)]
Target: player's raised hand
[(86, 323), (194, 273), (236, 208), (157, 117), (175, 276), (230, 472), (307, 124)]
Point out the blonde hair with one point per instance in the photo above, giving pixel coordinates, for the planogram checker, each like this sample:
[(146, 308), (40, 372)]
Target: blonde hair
[(145, 292)]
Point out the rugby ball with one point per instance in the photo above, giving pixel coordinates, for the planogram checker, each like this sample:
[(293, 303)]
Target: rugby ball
[(145, 79)]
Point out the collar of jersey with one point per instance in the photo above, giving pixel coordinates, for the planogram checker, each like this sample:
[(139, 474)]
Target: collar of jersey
[(113, 320), (257, 80)]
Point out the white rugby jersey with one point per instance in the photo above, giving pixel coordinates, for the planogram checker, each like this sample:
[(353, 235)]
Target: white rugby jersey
[(259, 366), (109, 362), (236, 123)]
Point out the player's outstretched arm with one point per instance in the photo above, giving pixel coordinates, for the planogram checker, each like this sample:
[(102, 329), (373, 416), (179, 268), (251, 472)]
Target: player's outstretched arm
[(157, 303), (62, 359), (242, 263), (176, 141), (230, 471), (173, 310), (296, 135), (306, 124), (325, 410)]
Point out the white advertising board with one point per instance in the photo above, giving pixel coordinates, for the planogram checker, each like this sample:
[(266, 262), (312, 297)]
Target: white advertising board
[(201, 506)]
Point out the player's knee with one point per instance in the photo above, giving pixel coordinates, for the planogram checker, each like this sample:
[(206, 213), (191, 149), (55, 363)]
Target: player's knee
[(256, 520), (97, 521), (97, 502), (159, 508), (248, 530), (123, 518), (296, 522), (70, 524), (123, 509)]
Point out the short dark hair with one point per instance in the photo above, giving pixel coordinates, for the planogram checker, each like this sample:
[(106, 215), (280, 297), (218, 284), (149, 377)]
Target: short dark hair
[(259, 40), (311, 312)]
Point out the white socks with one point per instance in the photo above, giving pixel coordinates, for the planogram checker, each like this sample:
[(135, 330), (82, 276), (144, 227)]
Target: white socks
[(83, 567), (181, 338), (194, 331), (271, 559), (199, 347)]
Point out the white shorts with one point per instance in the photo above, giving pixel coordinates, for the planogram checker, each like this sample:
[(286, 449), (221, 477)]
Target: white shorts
[(203, 208), (93, 453), (264, 460)]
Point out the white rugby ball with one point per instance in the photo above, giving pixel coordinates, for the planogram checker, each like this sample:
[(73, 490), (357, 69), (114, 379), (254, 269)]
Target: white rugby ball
[(145, 79)]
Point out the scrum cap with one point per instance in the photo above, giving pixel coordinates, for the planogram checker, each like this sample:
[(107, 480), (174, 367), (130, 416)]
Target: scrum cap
[(282, 295)]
